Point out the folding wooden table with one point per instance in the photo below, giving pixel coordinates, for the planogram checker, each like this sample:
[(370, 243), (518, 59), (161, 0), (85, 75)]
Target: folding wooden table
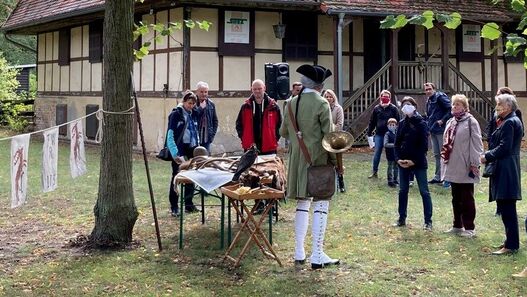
[(250, 225)]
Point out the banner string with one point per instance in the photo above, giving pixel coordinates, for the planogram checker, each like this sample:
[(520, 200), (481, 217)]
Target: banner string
[(99, 115)]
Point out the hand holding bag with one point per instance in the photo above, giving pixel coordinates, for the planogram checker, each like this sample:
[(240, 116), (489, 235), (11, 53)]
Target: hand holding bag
[(164, 154), (490, 167), (320, 178)]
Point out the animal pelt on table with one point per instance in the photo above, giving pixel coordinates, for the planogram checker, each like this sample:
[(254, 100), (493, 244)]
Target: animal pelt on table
[(271, 166)]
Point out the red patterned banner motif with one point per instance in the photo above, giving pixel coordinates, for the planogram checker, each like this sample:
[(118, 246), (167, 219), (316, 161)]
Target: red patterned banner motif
[(77, 154), (50, 156)]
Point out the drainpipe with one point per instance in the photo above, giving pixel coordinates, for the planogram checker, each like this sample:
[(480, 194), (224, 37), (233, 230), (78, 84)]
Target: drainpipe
[(9, 38), (340, 82)]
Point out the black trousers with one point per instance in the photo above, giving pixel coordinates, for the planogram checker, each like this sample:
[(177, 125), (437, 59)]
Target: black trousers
[(509, 216), (173, 195)]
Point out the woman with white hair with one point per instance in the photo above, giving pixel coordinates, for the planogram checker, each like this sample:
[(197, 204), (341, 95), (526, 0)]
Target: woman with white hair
[(504, 153), (460, 153)]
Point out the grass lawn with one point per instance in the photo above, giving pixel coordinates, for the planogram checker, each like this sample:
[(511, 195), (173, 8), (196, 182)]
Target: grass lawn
[(377, 259)]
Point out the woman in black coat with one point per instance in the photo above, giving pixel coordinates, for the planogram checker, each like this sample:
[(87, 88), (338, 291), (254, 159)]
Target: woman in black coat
[(504, 151)]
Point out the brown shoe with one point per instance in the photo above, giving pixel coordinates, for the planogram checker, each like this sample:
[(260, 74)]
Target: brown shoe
[(504, 251)]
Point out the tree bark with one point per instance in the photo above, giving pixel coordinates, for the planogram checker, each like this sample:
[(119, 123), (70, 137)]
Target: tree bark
[(115, 210)]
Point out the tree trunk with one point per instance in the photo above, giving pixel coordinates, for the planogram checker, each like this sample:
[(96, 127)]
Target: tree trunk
[(115, 210)]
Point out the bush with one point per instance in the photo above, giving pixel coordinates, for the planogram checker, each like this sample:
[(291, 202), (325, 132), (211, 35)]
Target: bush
[(11, 104)]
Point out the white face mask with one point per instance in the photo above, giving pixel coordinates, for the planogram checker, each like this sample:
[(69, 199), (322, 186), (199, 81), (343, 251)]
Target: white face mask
[(408, 109)]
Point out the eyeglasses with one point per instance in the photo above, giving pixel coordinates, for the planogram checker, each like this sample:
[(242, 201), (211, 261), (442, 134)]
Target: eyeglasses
[(428, 89)]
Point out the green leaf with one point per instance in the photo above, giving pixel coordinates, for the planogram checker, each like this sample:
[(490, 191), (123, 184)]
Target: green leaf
[(429, 19), (176, 25), (158, 39), (139, 55), (525, 60), (190, 24), (400, 22), (417, 20), (518, 5), (443, 18), (388, 22), (522, 23), (204, 25), (158, 27), (491, 31), (147, 44), (454, 22), (144, 50)]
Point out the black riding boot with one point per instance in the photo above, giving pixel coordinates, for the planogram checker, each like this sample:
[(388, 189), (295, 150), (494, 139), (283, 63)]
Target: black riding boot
[(342, 187)]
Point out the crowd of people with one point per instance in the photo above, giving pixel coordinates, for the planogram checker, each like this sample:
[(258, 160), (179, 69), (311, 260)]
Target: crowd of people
[(398, 128)]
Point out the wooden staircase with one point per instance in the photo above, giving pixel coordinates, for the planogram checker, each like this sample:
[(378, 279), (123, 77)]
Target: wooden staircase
[(412, 76)]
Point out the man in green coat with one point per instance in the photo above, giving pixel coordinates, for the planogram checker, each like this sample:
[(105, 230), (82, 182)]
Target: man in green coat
[(313, 118)]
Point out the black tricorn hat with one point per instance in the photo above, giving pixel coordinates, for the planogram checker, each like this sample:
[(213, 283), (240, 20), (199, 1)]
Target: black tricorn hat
[(316, 73)]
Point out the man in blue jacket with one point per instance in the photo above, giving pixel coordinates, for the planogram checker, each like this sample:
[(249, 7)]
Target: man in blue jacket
[(438, 111)]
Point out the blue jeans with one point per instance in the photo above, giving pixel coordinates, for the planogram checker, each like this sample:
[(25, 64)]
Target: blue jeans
[(404, 180), (379, 145), (437, 144)]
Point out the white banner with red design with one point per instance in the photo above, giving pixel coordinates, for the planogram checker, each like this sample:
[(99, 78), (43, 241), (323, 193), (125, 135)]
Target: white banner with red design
[(50, 156), (19, 168)]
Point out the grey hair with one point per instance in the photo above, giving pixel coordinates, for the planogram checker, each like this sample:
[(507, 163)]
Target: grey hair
[(309, 83), (201, 84), (508, 99)]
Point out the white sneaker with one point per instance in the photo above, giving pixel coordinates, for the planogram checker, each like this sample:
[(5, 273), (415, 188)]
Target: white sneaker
[(468, 233), (454, 230)]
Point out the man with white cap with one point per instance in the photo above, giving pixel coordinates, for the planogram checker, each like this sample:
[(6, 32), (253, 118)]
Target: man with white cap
[(312, 115)]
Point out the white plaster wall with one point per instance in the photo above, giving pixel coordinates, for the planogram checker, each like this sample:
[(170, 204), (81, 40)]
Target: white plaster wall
[(76, 42), (175, 80), (85, 41), (516, 76), (41, 47), (56, 78), (64, 78), (161, 71), (204, 66), (264, 34), (501, 74), (176, 38), (49, 46), (325, 33), (48, 84), (76, 76), (147, 73), (200, 37), (96, 77), (358, 72), (236, 73), (327, 61), (472, 70), (56, 45), (41, 77), (86, 76), (162, 41)]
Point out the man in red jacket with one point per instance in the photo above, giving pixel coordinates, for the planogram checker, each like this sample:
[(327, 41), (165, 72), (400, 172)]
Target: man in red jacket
[(259, 121)]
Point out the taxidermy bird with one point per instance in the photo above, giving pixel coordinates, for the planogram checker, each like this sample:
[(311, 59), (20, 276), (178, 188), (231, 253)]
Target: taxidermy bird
[(245, 162)]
